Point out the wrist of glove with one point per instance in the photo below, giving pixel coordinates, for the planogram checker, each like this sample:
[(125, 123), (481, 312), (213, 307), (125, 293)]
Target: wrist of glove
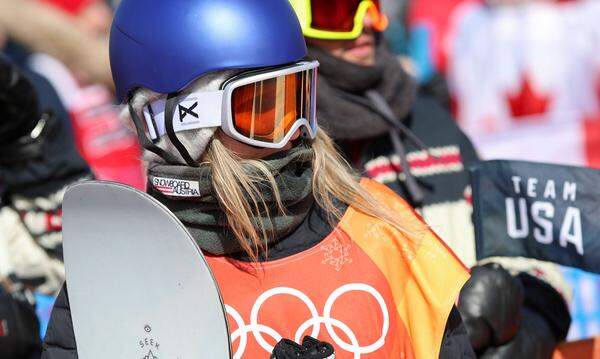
[(490, 305), (512, 316), (534, 340), (310, 348)]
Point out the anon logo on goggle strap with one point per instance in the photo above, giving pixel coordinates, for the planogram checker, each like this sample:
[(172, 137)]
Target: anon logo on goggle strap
[(184, 111)]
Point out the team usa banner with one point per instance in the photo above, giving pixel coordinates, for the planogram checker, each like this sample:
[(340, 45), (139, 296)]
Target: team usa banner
[(535, 210)]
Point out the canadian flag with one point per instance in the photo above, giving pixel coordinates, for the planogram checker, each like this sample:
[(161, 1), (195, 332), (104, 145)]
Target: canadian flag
[(527, 102), (525, 79)]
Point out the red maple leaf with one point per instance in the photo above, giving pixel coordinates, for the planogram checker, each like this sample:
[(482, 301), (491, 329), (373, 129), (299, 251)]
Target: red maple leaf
[(527, 102)]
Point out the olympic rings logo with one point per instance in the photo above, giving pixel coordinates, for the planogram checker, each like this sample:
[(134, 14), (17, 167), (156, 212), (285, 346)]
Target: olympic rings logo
[(314, 322)]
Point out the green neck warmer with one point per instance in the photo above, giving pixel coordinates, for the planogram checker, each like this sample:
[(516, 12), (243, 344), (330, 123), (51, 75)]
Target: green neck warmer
[(188, 193)]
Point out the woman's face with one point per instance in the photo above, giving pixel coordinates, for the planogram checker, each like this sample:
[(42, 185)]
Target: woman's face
[(248, 152)]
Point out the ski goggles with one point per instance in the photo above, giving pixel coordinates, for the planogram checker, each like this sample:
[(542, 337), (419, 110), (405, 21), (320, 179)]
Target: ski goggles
[(337, 19), (260, 108)]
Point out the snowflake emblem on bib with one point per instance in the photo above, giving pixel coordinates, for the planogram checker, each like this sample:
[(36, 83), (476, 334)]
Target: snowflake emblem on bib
[(336, 254)]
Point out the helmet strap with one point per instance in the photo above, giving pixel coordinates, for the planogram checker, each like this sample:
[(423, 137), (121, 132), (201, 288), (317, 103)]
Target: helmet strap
[(169, 108), (146, 142)]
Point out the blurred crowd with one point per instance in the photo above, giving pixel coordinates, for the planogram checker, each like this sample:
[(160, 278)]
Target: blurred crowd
[(521, 78)]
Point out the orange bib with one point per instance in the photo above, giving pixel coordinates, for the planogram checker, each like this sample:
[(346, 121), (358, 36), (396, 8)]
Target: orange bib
[(368, 289)]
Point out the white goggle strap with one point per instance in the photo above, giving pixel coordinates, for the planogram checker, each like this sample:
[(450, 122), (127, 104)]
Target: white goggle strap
[(196, 110)]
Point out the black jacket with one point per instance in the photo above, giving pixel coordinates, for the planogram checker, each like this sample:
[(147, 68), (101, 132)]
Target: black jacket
[(443, 177), (19, 327)]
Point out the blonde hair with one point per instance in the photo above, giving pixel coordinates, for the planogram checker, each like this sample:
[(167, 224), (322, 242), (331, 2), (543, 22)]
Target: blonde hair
[(237, 185), (237, 182)]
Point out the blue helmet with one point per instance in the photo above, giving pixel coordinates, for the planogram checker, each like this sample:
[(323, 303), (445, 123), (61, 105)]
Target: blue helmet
[(164, 45)]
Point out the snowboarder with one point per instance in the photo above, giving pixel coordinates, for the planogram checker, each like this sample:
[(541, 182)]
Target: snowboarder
[(224, 105)]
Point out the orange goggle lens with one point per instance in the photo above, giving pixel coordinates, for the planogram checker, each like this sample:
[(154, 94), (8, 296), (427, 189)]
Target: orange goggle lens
[(267, 110)]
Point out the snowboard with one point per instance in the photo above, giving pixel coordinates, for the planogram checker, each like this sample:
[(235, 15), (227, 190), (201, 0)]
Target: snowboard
[(139, 286)]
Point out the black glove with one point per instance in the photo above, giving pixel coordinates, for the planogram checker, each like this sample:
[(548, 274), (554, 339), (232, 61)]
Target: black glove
[(311, 348), (490, 305), (19, 327), (512, 317)]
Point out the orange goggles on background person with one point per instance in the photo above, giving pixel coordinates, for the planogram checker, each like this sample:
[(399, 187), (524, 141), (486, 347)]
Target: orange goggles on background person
[(262, 109), (338, 19)]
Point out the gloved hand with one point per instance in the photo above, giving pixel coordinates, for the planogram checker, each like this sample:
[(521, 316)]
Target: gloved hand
[(311, 348), (490, 305), (511, 317)]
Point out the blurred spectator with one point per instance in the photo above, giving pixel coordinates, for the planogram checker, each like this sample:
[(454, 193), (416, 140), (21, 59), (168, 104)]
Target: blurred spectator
[(79, 72), (524, 77), (38, 159), (49, 29), (396, 34), (428, 22), (370, 106), (413, 44)]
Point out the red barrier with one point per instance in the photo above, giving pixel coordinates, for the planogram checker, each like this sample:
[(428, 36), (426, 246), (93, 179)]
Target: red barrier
[(584, 349)]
